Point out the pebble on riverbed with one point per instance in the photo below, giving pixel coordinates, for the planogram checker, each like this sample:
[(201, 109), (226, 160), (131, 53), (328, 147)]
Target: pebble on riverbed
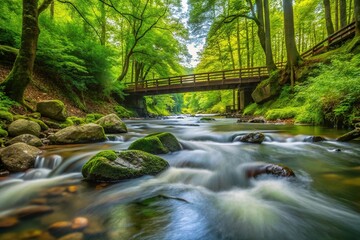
[(8, 222)]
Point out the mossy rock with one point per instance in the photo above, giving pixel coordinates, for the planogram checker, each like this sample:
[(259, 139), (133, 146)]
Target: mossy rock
[(42, 125), (54, 109), (6, 116), (109, 166), (207, 119), (157, 143), (93, 117), (112, 124), (23, 126), (267, 89), (26, 138), (85, 133)]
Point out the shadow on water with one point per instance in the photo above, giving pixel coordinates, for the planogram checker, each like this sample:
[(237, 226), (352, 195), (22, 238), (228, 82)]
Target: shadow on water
[(206, 193)]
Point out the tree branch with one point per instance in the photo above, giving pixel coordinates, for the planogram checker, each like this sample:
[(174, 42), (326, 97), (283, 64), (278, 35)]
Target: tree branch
[(45, 4), (82, 16)]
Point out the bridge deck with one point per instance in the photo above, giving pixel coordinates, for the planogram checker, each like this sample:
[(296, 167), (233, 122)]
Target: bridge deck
[(229, 79)]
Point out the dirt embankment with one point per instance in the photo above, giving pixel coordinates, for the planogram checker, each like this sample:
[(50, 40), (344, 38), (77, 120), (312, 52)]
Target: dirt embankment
[(42, 87)]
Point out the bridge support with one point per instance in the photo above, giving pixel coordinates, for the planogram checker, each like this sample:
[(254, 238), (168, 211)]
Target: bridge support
[(244, 98), (136, 103)]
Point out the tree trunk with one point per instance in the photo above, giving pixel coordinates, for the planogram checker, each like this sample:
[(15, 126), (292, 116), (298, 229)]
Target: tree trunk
[(260, 24), (293, 56), (336, 15), (247, 44), (357, 16), (52, 10), (231, 51), (269, 55), (342, 13), (329, 24), (22, 71), (103, 24), (238, 42)]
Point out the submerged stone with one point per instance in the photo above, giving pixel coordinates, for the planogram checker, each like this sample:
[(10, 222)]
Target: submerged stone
[(349, 136), (157, 143), (314, 139), (272, 169), (255, 137), (109, 166)]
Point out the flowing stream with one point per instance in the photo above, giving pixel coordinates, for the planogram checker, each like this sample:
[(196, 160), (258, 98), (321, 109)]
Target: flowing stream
[(205, 194)]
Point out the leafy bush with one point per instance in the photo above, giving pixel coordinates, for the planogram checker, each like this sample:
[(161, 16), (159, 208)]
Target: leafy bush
[(283, 113)]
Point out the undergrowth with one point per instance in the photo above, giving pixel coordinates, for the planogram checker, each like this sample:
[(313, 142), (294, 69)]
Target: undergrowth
[(330, 96)]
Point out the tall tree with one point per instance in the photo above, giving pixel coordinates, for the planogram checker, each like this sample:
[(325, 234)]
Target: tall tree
[(357, 16), (329, 23), (293, 56), (269, 55), (343, 21), (22, 71)]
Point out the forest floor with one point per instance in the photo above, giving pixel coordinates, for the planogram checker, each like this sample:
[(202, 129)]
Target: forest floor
[(42, 88)]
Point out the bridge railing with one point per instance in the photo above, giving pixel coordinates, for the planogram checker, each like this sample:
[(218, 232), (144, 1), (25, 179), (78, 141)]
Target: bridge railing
[(199, 79), (339, 36)]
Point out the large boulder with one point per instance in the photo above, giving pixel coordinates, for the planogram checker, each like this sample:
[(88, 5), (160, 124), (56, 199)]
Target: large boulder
[(25, 138), (112, 124), (112, 166), (255, 137), (23, 126), (86, 133), (54, 109), (157, 143), (19, 157)]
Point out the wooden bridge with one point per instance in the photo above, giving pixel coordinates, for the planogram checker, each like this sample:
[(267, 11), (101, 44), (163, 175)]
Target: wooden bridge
[(228, 79)]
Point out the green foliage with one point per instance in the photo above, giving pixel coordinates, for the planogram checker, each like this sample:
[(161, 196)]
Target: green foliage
[(5, 102), (159, 105), (208, 102), (123, 112), (76, 120), (80, 63), (283, 113)]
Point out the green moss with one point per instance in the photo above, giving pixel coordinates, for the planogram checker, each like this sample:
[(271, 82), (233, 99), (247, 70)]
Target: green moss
[(43, 126), (283, 113), (67, 123), (123, 112), (150, 145), (93, 117), (157, 143), (3, 133), (111, 166), (76, 120), (35, 115), (8, 117), (108, 154)]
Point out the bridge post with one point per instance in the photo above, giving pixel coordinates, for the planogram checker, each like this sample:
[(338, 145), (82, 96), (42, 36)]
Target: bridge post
[(244, 98), (136, 103)]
